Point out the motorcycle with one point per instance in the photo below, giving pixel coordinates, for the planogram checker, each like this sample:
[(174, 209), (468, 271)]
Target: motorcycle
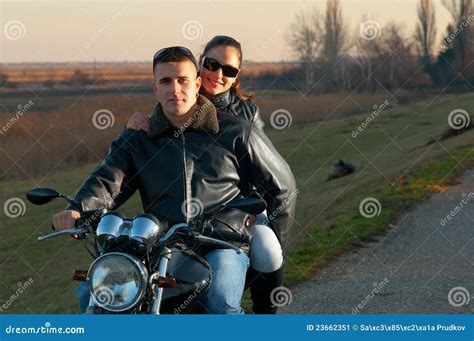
[(143, 266)]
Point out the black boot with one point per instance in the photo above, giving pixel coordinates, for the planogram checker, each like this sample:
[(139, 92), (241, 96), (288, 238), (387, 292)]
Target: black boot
[(261, 286)]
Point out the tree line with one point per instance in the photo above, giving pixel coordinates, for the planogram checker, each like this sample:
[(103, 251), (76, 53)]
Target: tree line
[(374, 57)]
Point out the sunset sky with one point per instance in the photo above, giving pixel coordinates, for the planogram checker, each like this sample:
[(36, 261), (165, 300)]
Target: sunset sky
[(58, 31)]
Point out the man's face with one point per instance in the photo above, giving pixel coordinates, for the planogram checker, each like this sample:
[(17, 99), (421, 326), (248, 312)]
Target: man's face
[(176, 86)]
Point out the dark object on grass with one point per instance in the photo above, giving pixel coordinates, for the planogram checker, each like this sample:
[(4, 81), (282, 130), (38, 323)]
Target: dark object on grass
[(450, 132), (341, 169)]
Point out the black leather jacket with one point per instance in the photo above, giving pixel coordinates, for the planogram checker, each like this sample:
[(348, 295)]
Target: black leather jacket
[(210, 163), (229, 102)]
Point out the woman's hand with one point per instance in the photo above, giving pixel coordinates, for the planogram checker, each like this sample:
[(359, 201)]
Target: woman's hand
[(138, 121)]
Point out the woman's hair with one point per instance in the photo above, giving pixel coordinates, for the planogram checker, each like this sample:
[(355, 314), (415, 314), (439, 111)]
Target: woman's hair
[(229, 41)]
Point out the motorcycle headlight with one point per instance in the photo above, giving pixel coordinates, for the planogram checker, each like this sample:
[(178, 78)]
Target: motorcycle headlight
[(117, 281)]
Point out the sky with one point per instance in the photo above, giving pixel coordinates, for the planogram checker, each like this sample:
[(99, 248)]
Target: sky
[(65, 31)]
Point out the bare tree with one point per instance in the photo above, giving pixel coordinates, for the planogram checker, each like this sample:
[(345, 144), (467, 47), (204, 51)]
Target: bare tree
[(395, 54), (368, 52), (425, 33), (334, 42), (461, 11), (458, 9), (305, 38)]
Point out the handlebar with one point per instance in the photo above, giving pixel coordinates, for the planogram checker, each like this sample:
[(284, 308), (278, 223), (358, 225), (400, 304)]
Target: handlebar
[(204, 233), (77, 230), (85, 224), (208, 236)]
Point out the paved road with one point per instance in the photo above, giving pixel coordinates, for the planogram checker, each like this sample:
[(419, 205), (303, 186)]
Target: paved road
[(411, 269)]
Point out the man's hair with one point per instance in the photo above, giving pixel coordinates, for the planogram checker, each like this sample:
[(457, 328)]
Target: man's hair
[(173, 54)]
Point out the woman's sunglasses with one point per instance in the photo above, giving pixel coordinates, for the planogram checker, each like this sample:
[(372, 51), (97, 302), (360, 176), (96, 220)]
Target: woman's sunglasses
[(213, 65)]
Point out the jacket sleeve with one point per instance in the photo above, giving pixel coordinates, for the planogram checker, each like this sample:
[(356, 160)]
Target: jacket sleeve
[(272, 177), (257, 119), (104, 186)]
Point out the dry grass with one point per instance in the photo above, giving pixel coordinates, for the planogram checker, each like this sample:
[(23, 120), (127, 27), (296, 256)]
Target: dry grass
[(116, 72), (313, 108), (58, 132), (58, 73), (256, 69), (42, 142)]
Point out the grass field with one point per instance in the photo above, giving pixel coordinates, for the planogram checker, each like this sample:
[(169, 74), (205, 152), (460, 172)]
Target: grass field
[(394, 165), (56, 130)]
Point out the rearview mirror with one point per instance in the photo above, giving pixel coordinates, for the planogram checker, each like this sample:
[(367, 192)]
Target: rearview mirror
[(41, 196)]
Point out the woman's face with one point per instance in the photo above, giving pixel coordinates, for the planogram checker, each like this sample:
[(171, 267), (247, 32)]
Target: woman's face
[(214, 82)]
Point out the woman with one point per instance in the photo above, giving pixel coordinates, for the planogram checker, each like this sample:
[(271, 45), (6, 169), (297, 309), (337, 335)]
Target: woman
[(220, 65)]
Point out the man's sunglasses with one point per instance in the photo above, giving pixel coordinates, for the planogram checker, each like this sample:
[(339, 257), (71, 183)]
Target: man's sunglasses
[(213, 65), (168, 52)]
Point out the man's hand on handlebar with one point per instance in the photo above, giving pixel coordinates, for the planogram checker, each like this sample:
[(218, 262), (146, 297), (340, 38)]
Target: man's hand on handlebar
[(65, 220)]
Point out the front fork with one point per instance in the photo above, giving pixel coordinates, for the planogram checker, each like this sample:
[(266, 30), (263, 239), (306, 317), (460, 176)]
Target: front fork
[(158, 290)]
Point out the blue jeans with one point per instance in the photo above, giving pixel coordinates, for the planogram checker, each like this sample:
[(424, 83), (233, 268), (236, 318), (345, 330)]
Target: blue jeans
[(228, 271), (83, 296)]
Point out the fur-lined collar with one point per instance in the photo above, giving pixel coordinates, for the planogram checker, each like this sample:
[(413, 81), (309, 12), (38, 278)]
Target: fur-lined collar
[(205, 118)]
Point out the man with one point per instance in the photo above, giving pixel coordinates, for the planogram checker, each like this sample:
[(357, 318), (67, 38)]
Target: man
[(189, 156)]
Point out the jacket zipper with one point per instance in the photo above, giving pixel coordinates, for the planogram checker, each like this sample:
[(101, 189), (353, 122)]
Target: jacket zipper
[(185, 180)]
